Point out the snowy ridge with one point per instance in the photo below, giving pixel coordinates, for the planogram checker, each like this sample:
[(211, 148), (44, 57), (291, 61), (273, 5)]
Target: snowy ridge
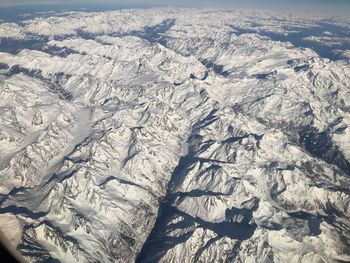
[(168, 135)]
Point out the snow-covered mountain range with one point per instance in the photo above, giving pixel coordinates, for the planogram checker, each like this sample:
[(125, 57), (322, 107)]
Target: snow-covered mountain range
[(176, 135)]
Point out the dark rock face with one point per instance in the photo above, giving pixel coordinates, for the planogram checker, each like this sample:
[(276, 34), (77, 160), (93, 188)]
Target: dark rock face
[(320, 145)]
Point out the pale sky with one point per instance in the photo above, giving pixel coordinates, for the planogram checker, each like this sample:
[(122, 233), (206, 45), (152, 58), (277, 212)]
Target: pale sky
[(333, 6)]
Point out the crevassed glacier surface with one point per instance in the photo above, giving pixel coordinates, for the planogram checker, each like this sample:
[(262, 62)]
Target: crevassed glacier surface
[(176, 135)]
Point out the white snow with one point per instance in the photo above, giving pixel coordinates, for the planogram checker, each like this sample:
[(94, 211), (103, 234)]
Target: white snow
[(91, 140)]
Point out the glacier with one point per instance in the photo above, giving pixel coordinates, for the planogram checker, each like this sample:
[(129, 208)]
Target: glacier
[(175, 135)]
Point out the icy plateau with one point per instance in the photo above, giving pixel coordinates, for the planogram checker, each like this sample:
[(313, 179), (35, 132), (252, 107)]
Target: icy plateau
[(174, 135)]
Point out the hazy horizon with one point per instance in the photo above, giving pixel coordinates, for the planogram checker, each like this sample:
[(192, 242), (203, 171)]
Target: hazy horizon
[(324, 6)]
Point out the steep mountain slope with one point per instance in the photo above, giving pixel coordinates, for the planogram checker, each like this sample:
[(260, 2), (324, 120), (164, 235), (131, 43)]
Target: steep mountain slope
[(168, 135)]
